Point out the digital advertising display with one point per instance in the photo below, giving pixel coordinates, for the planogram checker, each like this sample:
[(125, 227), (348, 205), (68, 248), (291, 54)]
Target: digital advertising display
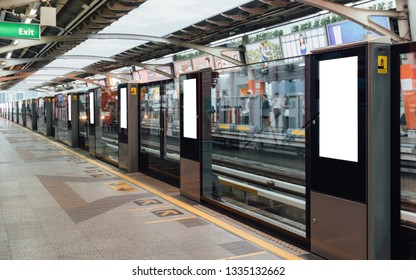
[(69, 107), (345, 32), (264, 51), (92, 105), (338, 105), (123, 107), (189, 109), (301, 43), (183, 66)]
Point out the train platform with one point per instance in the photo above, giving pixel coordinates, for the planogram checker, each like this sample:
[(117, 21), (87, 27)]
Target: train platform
[(57, 202)]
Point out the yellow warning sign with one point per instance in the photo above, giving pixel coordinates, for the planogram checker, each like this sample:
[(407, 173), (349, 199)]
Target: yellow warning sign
[(74, 97), (133, 91), (382, 64)]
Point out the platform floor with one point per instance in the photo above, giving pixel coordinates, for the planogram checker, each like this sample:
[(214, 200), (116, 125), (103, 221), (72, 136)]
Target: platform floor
[(59, 203)]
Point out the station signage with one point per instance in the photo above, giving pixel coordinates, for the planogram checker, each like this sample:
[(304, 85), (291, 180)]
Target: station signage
[(19, 30)]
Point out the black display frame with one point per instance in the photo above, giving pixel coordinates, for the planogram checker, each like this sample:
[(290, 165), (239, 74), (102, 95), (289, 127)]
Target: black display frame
[(339, 178)]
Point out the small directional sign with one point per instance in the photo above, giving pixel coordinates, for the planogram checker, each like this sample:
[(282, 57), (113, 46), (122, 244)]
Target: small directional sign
[(19, 30), (147, 202), (122, 187), (167, 212)]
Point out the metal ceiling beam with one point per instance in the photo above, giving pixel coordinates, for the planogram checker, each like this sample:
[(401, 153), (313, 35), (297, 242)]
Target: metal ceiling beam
[(239, 16), (124, 62), (275, 3), (9, 4), (4, 73), (63, 77), (223, 23), (362, 17), (215, 51), (256, 11)]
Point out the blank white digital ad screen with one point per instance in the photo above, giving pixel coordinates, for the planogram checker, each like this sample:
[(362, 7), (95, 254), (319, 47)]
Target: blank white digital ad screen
[(338, 109), (189, 109), (123, 107), (92, 106), (69, 107)]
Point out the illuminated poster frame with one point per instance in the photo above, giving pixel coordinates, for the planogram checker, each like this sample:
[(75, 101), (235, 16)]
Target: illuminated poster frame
[(189, 109), (123, 107), (338, 105), (69, 100), (301, 43), (92, 119), (347, 31)]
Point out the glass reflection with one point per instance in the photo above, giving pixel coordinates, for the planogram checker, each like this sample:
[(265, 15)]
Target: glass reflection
[(258, 142), (150, 120), (41, 115), (107, 132), (159, 130), (20, 112), (61, 129), (29, 113), (83, 121), (408, 139)]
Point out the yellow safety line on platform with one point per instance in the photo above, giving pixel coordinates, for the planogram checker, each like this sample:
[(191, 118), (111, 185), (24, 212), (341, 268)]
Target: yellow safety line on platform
[(258, 241), (245, 255), (170, 220)]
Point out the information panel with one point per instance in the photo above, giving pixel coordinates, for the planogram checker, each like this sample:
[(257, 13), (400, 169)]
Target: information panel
[(69, 107), (338, 104), (189, 109), (123, 107), (92, 105)]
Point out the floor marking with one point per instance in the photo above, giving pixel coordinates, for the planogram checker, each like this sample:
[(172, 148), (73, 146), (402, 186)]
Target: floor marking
[(147, 208), (121, 187), (258, 241), (170, 220), (167, 212), (147, 202), (244, 256)]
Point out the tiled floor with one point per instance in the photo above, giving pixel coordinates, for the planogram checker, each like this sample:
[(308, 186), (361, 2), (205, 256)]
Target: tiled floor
[(55, 205)]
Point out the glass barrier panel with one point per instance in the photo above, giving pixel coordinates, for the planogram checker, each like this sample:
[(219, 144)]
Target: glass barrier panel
[(170, 103), (107, 126), (62, 133), (408, 139), (41, 115), (258, 142), (150, 120)]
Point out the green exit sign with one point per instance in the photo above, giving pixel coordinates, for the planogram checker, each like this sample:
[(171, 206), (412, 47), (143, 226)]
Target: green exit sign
[(19, 30)]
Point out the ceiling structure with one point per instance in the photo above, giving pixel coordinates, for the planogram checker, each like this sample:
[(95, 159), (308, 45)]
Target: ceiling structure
[(83, 17), (72, 17)]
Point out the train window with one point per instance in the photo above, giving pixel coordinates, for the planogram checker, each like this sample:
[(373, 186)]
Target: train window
[(408, 139), (258, 142)]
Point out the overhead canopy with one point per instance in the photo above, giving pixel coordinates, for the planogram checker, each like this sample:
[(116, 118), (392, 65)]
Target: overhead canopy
[(91, 16)]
